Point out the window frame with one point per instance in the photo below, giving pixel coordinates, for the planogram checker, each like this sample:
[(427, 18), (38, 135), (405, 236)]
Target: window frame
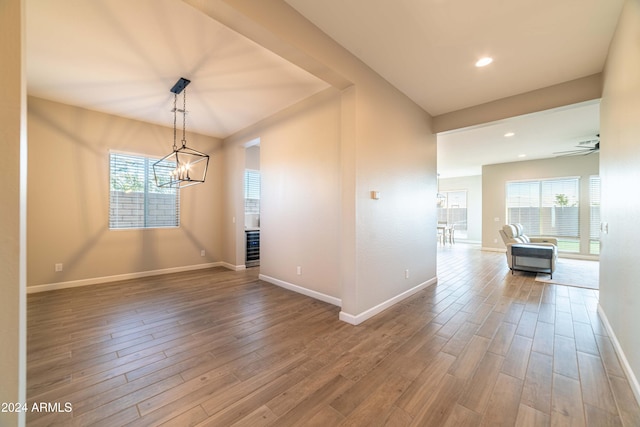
[(595, 197), (252, 191), (566, 242), (148, 183), (462, 226)]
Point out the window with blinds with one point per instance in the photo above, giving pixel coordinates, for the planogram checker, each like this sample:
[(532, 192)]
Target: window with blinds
[(135, 200), (454, 211), (547, 207), (251, 191), (594, 215)]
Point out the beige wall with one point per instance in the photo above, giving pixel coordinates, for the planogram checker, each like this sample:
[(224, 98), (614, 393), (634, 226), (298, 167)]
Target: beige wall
[(13, 163), (232, 206), (386, 144), (300, 193), (305, 176), (252, 160), (494, 178), (620, 172), (567, 93), (69, 198), (395, 155)]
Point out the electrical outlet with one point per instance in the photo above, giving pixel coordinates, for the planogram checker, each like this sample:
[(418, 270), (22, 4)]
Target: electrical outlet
[(299, 270), (202, 252), (58, 267), (406, 274)]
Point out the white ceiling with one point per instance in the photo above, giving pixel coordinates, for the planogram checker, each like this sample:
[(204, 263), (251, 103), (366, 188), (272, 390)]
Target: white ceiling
[(123, 56), (535, 136), (428, 48)]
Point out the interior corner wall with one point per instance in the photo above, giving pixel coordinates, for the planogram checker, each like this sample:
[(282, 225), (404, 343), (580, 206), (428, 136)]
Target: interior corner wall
[(233, 206), (395, 234), (68, 218), (495, 177), (300, 193), (390, 147), (13, 137), (473, 186), (252, 157), (620, 173)]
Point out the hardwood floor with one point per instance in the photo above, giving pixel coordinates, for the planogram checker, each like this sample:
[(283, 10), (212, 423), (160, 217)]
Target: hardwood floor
[(220, 348)]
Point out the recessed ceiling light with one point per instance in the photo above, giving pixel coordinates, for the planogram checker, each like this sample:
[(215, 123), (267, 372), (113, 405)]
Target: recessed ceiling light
[(483, 62), (509, 134)]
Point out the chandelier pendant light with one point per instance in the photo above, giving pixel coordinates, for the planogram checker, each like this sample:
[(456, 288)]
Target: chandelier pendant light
[(184, 166)]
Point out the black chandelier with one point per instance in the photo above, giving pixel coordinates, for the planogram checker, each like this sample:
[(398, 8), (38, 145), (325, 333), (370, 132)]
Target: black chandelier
[(184, 166)]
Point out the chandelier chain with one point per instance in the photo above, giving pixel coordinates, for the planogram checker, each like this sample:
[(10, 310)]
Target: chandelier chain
[(184, 166), (175, 111), (184, 117)]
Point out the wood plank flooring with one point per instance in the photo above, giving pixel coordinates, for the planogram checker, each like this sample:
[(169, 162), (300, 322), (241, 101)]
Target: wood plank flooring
[(220, 348)]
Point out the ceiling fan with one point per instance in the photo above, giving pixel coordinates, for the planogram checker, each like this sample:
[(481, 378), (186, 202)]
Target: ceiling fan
[(583, 148)]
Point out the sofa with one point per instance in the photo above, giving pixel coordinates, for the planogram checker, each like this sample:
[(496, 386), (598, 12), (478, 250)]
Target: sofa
[(535, 254)]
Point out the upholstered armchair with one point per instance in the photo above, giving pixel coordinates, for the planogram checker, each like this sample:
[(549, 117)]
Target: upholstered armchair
[(535, 254)]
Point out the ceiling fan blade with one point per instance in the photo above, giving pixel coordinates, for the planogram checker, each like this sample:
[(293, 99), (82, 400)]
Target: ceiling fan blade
[(577, 152), (592, 143), (581, 149), (570, 152)]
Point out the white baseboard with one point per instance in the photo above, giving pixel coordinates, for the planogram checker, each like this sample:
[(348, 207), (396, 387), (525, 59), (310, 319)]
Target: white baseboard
[(469, 242), (488, 249), (304, 291), (633, 380), (578, 256), (359, 318), (118, 277), (233, 267)]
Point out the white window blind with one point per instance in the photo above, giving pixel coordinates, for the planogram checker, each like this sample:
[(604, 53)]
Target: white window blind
[(594, 214), (251, 184), (251, 191), (523, 205), (545, 207), (135, 200), (454, 209)]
